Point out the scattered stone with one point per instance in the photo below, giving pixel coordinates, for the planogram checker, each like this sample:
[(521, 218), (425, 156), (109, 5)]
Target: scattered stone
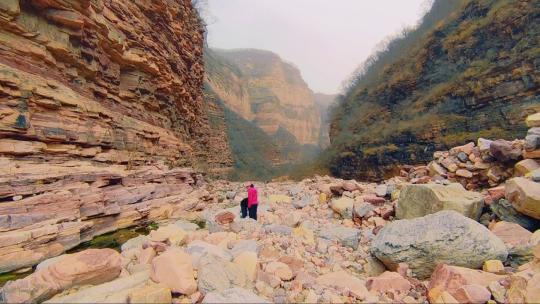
[(136, 242), (452, 239), (216, 274), (524, 195), (172, 234), (230, 195), (452, 278), (372, 199), (389, 281), (346, 236), (373, 267), (243, 246), (493, 266), (343, 280), (419, 200), (281, 270), (247, 261), (506, 212), (472, 294), (504, 151), (525, 167), (186, 226), (225, 217), (174, 269), (533, 120), (381, 190), (343, 206), (151, 293), (513, 235)]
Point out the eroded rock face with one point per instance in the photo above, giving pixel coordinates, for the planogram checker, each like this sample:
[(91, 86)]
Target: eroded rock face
[(120, 96), (443, 237)]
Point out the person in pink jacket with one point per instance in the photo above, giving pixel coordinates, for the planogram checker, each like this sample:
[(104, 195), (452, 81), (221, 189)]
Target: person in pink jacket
[(252, 202)]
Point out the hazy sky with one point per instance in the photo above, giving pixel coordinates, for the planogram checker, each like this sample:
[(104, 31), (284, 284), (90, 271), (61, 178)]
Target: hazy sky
[(326, 39)]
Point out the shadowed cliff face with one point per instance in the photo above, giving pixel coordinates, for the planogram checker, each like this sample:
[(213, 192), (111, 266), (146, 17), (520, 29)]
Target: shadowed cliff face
[(261, 87), (270, 117), (108, 81), (473, 74)]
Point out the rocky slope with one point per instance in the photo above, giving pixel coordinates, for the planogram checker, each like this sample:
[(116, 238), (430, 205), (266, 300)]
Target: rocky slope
[(322, 240), (107, 81), (473, 73)]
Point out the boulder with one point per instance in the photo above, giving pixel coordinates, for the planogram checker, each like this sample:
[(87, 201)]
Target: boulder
[(278, 229), (452, 278), (506, 212), (243, 246), (381, 190), (172, 234), (136, 242), (116, 291), (230, 195), (92, 266), (292, 219), (533, 120), (513, 235), (343, 206), (248, 262), (224, 217), (280, 270), (472, 294), (197, 249), (303, 202), (524, 194), (350, 185), (216, 274), (504, 151), (151, 293), (493, 266), (388, 281), (419, 200), (342, 280), (174, 269), (435, 169), (233, 295), (452, 239), (525, 167), (347, 237)]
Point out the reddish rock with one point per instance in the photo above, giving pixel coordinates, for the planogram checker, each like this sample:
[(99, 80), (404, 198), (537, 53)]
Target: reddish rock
[(388, 281), (511, 234), (472, 294), (373, 199), (225, 217), (451, 278)]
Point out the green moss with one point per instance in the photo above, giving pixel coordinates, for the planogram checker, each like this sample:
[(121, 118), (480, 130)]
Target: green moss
[(11, 276), (200, 223)]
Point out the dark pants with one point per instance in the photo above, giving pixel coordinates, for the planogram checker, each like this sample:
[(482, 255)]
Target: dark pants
[(253, 211), (244, 207)]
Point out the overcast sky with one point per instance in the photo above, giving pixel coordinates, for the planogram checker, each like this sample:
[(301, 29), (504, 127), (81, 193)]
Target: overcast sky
[(326, 39)]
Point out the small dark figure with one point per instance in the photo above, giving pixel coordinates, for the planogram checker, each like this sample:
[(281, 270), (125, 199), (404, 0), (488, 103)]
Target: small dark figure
[(252, 202), (244, 207)]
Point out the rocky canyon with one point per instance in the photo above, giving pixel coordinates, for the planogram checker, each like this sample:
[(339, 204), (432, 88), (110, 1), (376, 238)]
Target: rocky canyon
[(127, 145)]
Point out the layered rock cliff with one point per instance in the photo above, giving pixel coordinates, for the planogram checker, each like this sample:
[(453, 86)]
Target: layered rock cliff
[(110, 81), (473, 73), (270, 113), (261, 87), (90, 90)]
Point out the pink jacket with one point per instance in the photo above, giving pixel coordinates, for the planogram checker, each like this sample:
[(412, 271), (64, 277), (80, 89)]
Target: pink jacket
[(252, 197)]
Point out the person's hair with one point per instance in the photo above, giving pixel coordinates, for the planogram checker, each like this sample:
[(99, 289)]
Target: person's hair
[(251, 185)]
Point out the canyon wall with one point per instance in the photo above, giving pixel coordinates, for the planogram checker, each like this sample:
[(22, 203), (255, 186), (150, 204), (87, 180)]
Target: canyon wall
[(98, 98), (474, 73), (110, 81), (270, 114)]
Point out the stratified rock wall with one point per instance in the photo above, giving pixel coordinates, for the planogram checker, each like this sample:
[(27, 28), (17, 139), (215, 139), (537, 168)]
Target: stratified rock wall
[(112, 81), (97, 99), (260, 87), (474, 74)]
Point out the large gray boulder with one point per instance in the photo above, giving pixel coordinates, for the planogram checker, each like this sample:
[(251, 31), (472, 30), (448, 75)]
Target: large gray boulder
[(347, 237), (444, 237), (216, 274), (419, 200)]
